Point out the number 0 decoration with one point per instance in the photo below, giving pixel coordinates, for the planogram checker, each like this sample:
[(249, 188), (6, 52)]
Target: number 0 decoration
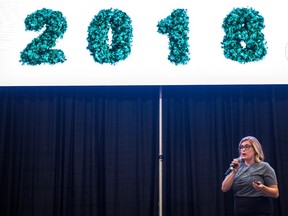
[(120, 48), (244, 42), (39, 50)]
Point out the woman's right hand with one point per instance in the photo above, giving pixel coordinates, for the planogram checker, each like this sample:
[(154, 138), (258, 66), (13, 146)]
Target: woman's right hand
[(235, 164)]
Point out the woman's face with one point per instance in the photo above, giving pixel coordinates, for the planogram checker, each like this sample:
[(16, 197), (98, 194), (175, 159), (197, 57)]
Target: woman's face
[(247, 151)]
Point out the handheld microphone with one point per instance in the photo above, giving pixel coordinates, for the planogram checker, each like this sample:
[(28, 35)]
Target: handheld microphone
[(232, 166)]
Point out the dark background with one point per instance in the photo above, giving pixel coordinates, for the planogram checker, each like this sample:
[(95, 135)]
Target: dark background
[(94, 150)]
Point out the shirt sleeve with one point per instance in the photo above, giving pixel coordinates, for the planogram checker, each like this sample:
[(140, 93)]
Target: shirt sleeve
[(269, 176)]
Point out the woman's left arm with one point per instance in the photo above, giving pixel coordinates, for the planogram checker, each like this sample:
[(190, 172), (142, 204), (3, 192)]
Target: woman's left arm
[(271, 191)]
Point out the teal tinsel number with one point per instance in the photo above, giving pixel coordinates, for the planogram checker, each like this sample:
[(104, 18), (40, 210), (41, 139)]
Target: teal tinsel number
[(39, 50), (243, 41), (176, 26), (120, 47)]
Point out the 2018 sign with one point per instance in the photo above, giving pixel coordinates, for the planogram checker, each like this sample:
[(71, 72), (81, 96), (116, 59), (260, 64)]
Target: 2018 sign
[(243, 41), (120, 42)]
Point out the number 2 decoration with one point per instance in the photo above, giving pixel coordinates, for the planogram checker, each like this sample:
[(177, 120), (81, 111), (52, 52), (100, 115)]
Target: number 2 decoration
[(39, 50), (243, 41)]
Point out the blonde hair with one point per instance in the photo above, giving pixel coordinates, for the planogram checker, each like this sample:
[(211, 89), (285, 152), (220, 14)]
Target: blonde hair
[(259, 155)]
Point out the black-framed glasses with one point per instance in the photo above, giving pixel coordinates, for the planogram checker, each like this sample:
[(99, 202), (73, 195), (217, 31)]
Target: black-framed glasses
[(246, 147)]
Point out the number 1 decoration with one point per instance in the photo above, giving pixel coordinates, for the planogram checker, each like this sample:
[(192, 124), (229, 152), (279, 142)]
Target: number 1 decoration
[(176, 26), (243, 41)]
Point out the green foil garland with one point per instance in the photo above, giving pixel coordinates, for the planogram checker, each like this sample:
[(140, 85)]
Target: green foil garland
[(120, 47), (39, 50), (243, 41)]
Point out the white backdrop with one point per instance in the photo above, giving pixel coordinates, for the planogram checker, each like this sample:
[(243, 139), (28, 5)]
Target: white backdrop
[(147, 64)]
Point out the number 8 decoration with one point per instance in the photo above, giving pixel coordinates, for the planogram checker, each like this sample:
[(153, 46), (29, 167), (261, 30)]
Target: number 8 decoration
[(120, 24), (244, 42)]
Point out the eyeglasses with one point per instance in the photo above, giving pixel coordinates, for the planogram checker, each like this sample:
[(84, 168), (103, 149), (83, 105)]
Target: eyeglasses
[(246, 147)]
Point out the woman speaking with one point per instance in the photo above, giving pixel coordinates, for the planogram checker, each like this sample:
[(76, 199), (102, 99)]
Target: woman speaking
[(252, 180)]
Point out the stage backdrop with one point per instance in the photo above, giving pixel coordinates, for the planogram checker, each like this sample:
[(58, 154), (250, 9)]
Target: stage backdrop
[(127, 42)]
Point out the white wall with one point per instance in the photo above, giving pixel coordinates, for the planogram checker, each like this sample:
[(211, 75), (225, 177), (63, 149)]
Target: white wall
[(147, 63)]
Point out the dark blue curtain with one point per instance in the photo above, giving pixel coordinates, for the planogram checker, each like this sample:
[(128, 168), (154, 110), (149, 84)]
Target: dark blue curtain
[(94, 150), (203, 126), (78, 151)]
